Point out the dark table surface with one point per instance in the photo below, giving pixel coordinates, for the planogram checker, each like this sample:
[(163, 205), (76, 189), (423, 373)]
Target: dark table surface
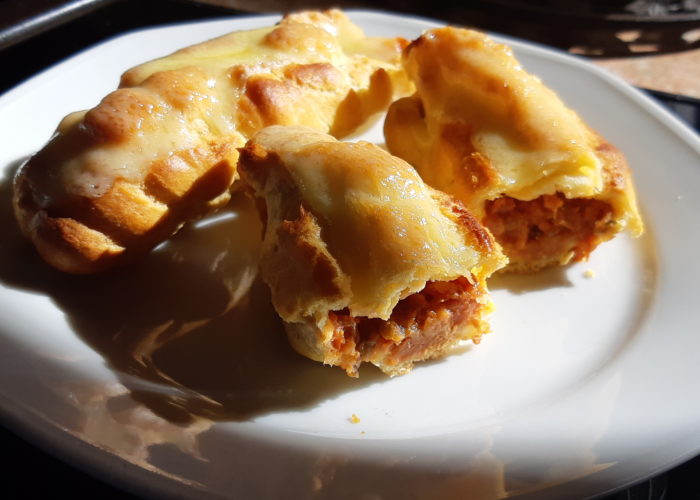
[(33, 49)]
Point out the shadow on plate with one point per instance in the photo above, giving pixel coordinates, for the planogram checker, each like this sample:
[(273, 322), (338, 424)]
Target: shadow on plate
[(553, 277), (192, 317)]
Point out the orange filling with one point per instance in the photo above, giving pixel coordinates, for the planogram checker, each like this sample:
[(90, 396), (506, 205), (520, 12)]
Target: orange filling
[(549, 229), (421, 326)]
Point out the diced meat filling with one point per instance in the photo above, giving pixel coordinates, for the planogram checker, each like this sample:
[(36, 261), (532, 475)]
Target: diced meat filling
[(548, 230), (421, 326)]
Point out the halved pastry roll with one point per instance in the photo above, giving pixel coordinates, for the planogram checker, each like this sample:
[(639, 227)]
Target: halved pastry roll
[(365, 262), (117, 179), (481, 128)]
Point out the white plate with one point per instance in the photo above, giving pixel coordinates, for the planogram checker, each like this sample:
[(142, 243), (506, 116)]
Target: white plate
[(585, 384)]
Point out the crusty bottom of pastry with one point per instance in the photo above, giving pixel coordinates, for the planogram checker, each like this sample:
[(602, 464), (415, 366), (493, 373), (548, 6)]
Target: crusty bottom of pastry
[(424, 325), (549, 230)]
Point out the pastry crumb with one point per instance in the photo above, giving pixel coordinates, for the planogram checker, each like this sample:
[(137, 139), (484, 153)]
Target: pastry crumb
[(354, 419), (589, 273)]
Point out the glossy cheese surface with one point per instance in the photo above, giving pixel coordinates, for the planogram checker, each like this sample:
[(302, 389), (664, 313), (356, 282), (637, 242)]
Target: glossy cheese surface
[(297, 72), (480, 127), (162, 149), (385, 231)]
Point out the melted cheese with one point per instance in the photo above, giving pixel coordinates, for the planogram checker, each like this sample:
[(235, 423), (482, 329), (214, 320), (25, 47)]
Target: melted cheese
[(222, 91), (190, 109), (379, 221), (480, 127)]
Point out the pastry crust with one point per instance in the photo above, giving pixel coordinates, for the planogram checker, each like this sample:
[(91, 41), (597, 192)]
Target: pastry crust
[(364, 261), (161, 150), (484, 130)]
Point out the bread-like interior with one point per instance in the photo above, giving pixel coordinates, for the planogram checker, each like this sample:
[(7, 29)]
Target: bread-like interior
[(484, 130), (162, 149), (364, 261)]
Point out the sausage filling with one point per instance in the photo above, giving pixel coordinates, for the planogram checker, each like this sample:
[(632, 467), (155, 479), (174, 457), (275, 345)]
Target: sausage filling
[(422, 325), (548, 230)]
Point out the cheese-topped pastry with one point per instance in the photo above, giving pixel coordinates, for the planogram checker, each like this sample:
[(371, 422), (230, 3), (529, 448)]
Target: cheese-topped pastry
[(365, 262), (481, 128), (121, 177)]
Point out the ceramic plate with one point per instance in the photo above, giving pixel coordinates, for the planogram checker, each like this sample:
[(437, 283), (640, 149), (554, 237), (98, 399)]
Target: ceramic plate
[(173, 377)]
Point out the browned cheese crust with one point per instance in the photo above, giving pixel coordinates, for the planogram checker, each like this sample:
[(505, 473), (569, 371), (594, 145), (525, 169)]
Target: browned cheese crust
[(161, 150)]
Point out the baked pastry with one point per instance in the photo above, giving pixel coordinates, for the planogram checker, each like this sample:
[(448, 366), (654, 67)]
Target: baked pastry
[(481, 128), (364, 261), (116, 180)]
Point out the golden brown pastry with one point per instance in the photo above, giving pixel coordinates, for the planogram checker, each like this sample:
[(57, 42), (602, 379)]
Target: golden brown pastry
[(365, 262), (481, 128), (117, 179)]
